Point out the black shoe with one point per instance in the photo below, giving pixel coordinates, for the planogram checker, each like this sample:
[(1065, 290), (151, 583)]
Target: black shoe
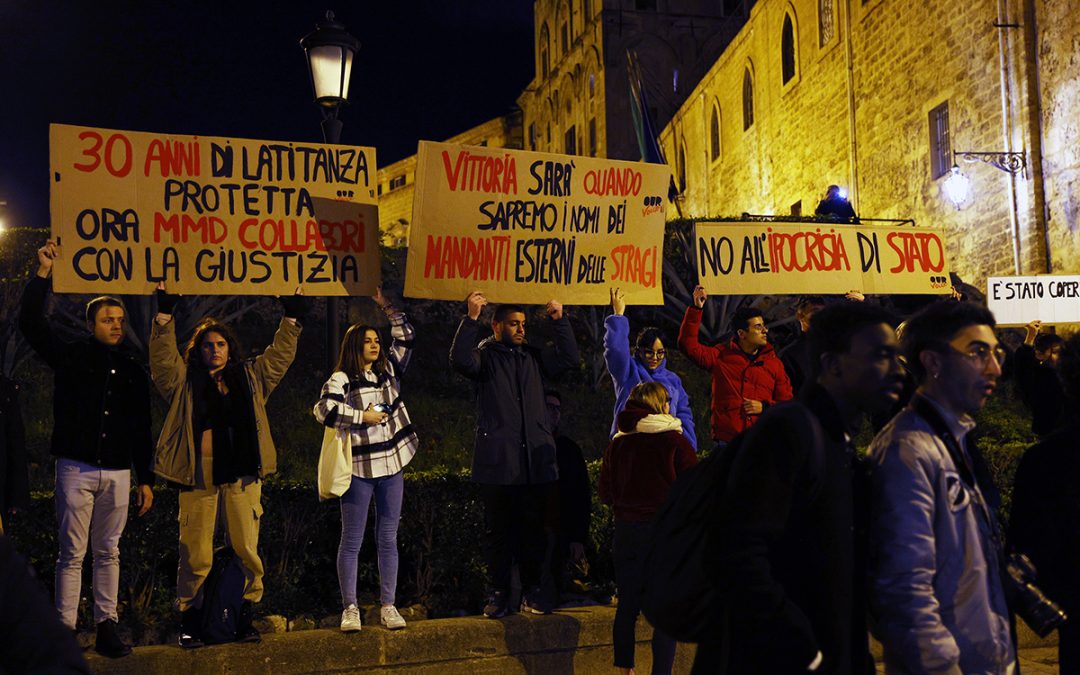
[(535, 603), (108, 642), (245, 632), (190, 621), (498, 606)]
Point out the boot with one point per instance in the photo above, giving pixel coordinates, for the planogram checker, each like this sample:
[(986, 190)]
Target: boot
[(108, 641), (245, 632), (190, 622)]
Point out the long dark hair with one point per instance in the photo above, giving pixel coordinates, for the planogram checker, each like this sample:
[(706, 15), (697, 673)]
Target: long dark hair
[(211, 325), (350, 358)]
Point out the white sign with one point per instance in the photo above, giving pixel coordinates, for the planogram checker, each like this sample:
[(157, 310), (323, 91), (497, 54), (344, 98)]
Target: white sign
[(1016, 301)]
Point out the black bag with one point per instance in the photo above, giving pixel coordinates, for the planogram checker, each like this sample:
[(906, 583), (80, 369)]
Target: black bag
[(680, 595), (223, 594)]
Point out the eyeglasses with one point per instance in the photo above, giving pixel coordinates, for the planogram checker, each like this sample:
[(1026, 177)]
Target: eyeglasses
[(650, 354), (980, 354)]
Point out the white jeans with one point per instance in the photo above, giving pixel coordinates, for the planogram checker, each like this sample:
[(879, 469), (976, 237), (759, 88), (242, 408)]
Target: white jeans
[(91, 504)]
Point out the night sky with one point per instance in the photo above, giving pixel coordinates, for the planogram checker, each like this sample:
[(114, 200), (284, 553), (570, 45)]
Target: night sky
[(427, 69)]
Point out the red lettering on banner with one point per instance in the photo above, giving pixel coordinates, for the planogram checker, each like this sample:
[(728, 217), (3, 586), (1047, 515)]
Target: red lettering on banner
[(479, 173), (180, 227), (922, 248), (451, 257), (815, 251), (174, 158), (612, 182), (634, 265)]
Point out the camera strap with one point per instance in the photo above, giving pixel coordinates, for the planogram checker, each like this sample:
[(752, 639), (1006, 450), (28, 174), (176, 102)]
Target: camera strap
[(969, 465)]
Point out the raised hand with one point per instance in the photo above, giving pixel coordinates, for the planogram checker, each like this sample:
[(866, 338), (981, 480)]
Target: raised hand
[(618, 301), (475, 303), (700, 296), (554, 310)]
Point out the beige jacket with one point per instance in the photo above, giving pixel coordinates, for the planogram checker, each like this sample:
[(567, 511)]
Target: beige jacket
[(174, 455)]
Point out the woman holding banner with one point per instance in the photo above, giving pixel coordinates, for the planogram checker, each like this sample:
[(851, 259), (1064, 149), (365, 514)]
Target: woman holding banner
[(647, 364), (362, 400)]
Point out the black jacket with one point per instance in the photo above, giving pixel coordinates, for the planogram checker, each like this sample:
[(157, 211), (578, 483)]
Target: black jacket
[(1039, 389), (101, 401), (1045, 519), (790, 546), (514, 443), (14, 482)]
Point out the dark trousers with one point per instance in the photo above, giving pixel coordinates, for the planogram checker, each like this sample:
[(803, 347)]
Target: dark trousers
[(1069, 648), (631, 541), (514, 533)]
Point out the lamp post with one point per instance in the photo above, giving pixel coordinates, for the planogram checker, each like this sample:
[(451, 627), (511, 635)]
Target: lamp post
[(958, 187), (329, 50)]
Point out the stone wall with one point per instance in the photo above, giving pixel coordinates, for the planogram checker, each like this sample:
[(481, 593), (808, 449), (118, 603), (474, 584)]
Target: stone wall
[(856, 114)]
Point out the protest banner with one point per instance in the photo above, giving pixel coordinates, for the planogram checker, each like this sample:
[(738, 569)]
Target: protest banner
[(1017, 301), (757, 258), (211, 216), (528, 227)]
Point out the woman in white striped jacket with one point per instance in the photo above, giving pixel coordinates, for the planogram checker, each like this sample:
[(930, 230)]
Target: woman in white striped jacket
[(361, 400)]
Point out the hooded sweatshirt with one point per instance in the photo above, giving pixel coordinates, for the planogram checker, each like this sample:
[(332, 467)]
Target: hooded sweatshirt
[(641, 463)]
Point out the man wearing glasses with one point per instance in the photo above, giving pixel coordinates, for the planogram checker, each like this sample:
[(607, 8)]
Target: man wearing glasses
[(936, 549), (747, 376)]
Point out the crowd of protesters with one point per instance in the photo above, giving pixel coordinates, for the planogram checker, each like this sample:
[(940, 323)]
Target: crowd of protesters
[(814, 544)]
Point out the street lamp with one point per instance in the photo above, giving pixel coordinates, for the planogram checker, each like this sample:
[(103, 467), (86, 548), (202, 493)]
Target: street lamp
[(957, 186), (329, 50)]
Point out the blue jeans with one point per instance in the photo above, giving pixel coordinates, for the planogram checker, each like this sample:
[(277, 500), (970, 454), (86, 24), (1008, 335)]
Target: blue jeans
[(354, 513)]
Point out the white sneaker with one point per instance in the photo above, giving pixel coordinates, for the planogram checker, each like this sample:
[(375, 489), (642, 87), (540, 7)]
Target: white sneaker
[(350, 619), (389, 617)]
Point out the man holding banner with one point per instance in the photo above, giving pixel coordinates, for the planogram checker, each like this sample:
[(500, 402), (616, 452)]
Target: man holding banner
[(514, 458), (747, 376), (101, 426)]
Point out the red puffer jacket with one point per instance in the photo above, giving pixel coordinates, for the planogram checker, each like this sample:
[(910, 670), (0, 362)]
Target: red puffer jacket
[(736, 375)]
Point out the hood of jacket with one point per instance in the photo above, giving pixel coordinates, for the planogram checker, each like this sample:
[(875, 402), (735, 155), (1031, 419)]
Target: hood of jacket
[(636, 418)]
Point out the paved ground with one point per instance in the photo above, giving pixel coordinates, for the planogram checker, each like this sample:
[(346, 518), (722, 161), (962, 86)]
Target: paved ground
[(1033, 661)]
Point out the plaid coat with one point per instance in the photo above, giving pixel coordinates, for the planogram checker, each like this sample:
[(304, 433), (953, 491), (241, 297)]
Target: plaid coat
[(377, 449)]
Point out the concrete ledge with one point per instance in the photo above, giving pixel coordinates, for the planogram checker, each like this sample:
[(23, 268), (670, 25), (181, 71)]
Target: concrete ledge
[(573, 640)]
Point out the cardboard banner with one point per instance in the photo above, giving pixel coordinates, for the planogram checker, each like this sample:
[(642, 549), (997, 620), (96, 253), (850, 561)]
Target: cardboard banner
[(528, 227), (211, 216), (1017, 301), (758, 258)]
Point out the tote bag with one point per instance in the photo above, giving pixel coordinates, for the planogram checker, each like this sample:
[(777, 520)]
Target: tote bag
[(335, 466)]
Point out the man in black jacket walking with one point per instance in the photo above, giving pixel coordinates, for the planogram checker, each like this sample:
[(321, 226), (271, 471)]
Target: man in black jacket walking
[(514, 457), (101, 426), (789, 540)]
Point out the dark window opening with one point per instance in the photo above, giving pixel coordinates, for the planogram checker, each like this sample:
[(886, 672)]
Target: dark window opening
[(940, 143), (714, 136), (747, 101), (571, 141), (787, 50)]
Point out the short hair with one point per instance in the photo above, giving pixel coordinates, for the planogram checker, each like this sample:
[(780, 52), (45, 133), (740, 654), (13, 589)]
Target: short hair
[(937, 324), (1068, 368), (504, 310), (99, 303), (832, 328), (646, 337), (740, 320), (832, 190), (211, 325), (1047, 341), (651, 395)]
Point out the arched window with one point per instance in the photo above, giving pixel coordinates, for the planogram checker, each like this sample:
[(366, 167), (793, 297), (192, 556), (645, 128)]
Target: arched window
[(826, 23), (747, 100), (787, 50), (681, 161), (545, 44), (714, 134)]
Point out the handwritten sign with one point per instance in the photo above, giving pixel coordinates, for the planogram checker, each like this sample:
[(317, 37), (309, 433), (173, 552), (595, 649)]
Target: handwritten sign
[(1017, 301), (528, 227), (735, 258), (211, 216)]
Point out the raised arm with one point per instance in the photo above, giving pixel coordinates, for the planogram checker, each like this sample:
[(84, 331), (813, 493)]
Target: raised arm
[(563, 355), (464, 357), (704, 357), (167, 369), (32, 321), (617, 355)]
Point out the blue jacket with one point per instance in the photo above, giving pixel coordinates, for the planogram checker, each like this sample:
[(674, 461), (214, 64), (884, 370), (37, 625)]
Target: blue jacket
[(626, 371)]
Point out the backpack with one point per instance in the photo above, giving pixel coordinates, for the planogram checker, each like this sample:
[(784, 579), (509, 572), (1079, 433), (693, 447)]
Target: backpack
[(223, 594), (680, 597)]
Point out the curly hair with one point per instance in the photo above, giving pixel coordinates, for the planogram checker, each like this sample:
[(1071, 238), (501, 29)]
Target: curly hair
[(209, 324)]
